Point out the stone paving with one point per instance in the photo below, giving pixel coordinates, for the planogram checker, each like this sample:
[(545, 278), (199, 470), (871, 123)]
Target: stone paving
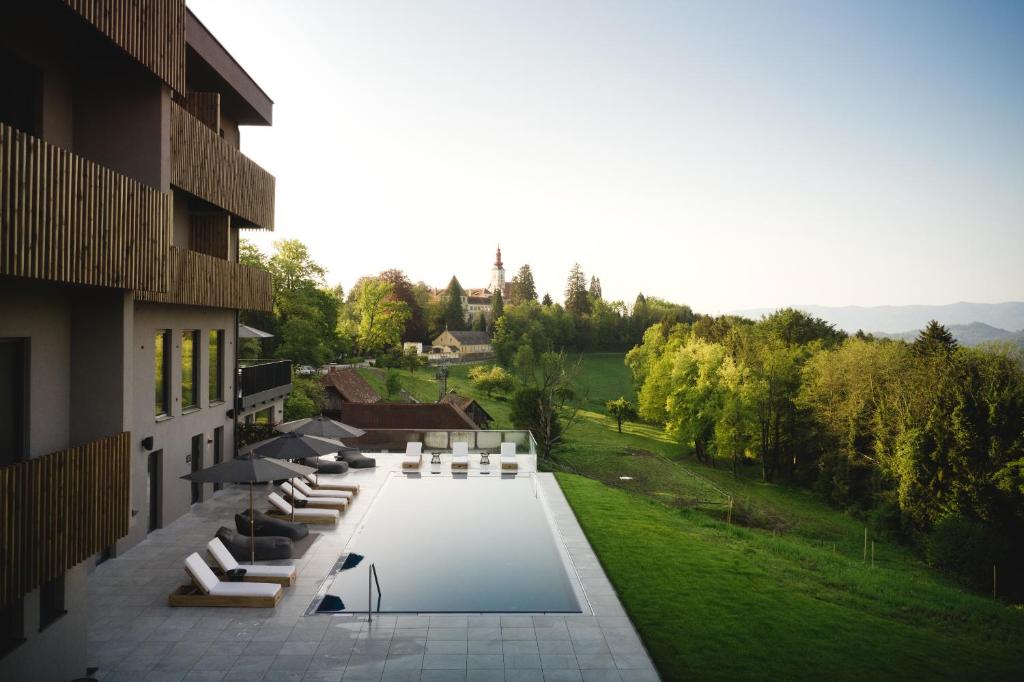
[(134, 635)]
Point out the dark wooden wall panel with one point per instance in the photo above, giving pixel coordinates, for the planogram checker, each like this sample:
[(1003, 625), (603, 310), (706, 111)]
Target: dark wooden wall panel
[(210, 233), (205, 106), (205, 165), (198, 279), (59, 509), (150, 31), (66, 219)]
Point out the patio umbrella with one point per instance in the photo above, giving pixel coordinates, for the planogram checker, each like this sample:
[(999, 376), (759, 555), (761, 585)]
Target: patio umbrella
[(294, 446), (248, 470), (323, 427)]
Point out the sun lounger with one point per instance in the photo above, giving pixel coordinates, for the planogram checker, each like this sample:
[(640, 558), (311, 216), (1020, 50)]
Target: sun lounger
[(254, 573), (460, 456), (508, 457), (208, 590), (311, 492), (283, 510), (320, 483), (413, 456), (338, 503)]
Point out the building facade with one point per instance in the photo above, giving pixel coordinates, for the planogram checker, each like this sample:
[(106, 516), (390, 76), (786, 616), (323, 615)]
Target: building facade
[(477, 301), (468, 345), (122, 196)]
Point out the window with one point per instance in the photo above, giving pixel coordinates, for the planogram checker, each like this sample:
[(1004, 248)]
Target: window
[(12, 625), (265, 416), (51, 602), (189, 368), (21, 94), (13, 400), (218, 450), (216, 365), (162, 371)]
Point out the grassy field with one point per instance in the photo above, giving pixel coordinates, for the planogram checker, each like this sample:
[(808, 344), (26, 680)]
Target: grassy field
[(782, 593)]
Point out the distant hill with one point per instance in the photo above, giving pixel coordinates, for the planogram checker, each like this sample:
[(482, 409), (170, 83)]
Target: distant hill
[(898, 319), (966, 334)]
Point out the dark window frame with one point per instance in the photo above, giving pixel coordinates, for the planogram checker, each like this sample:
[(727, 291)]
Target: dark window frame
[(215, 365), (196, 360), (165, 371), (18, 451)]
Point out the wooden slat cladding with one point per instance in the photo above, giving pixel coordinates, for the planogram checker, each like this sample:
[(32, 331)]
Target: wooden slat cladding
[(151, 31), (66, 219), (198, 279), (205, 165), (59, 509), (210, 233), (205, 106)]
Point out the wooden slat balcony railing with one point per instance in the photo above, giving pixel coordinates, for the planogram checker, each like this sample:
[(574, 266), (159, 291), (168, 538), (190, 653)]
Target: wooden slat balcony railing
[(198, 279), (205, 165), (66, 219), (59, 509)]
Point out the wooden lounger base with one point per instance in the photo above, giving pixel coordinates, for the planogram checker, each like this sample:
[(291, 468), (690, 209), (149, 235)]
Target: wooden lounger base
[(344, 487), (460, 466), (317, 504), (284, 581), (190, 595), (326, 519), (510, 467)]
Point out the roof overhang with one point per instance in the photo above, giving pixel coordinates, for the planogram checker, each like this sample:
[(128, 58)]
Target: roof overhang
[(212, 68)]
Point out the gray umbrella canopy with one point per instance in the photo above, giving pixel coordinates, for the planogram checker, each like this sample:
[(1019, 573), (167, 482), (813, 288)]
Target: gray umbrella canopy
[(247, 332), (293, 446), (249, 470), (321, 426)]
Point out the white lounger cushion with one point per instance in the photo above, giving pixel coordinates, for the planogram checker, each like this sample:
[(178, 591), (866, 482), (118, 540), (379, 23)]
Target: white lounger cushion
[(209, 583), (286, 508), (460, 449), (323, 481), (304, 488), (414, 449), (296, 495), (227, 562), (508, 449)]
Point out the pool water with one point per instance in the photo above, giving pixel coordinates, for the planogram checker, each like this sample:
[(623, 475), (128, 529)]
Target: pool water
[(461, 545)]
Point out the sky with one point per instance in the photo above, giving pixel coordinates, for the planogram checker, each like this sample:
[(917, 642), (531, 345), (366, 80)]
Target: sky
[(721, 154)]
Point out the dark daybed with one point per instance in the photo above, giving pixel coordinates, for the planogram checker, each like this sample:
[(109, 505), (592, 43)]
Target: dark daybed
[(266, 526), (267, 548)]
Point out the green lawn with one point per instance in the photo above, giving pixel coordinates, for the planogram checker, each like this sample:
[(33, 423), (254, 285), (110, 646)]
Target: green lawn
[(782, 593), (713, 601)]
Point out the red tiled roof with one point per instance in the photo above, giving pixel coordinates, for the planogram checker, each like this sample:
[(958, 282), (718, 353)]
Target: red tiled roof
[(405, 416), (351, 386)]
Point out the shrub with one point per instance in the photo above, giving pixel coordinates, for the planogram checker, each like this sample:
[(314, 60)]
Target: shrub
[(964, 549), (885, 520)]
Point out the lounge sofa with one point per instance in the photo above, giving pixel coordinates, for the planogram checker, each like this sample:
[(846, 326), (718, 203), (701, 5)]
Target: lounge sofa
[(265, 526)]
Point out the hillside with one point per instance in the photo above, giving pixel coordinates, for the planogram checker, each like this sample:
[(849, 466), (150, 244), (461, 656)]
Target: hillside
[(967, 334), (897, 319), (783, 592)]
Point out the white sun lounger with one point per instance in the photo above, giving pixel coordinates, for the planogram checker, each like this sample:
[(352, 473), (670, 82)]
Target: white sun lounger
[(320, 483), (308, 491), (338, 503), (413, 456), (254, 573), (508, 457), (460, 456), (208, 590), (283, 510)]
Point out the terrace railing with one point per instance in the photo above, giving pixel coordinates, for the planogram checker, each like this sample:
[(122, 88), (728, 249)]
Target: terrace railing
[(441, 440), (263, 380)]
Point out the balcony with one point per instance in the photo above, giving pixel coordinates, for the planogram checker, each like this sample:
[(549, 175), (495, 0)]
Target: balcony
[(206, 166), (59, 509), (66, 219), (263, 381), (199, 279)]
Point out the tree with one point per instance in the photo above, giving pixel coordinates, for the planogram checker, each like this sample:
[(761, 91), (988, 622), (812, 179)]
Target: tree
[(491, 379), (935, 340), (595, 288), (522, 287), (411, 360), (403, 290), (497, 305), (307, 398), (292, 268), (392, 384), (547, 300), (577, 300), (453, 316), (620, 408), (546, 403), (381, 316)]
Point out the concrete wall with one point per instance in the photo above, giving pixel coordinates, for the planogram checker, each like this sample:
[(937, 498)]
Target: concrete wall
[(58, 653), (173, 434)]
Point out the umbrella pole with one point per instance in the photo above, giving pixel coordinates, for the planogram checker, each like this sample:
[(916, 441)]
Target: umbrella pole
[(252, 527), (291, 482)]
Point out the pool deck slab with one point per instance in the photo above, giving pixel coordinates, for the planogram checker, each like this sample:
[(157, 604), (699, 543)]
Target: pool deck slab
[(135, 635)]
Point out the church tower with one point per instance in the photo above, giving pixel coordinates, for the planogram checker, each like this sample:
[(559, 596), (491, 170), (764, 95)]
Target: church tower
[(497, 274)]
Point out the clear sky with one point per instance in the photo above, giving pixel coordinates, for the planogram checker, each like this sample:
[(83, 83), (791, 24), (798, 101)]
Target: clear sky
[(722, 154)]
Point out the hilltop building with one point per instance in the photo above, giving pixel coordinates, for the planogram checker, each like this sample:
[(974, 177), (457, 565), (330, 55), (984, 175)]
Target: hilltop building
[(122, 196), (468, 345), (478, 300)]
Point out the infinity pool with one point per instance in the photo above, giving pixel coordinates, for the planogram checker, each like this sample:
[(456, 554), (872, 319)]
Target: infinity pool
[(472, 544)]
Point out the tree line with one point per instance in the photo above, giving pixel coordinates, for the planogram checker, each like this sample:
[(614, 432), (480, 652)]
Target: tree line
[(924, 439)]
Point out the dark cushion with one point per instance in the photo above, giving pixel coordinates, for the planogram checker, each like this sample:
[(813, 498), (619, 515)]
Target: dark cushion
[(267, 548), (267, 526), (326, 466), (357, 460)]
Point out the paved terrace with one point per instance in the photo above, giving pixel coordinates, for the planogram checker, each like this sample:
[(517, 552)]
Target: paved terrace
[(134, 635)]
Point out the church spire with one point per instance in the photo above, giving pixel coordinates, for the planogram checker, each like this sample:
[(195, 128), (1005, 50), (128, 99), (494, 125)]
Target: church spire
[(497, 258)]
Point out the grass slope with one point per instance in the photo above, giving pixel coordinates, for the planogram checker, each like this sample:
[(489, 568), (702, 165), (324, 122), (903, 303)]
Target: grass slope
[(713, 601)]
